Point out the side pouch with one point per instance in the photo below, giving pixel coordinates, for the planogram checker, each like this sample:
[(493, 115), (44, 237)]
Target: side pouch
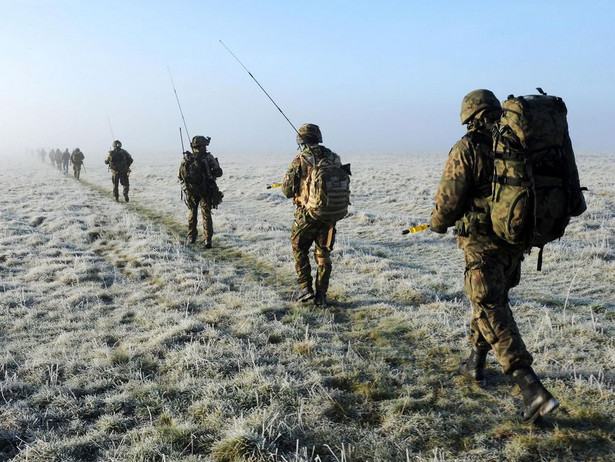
[(510, 201), (473, 224)]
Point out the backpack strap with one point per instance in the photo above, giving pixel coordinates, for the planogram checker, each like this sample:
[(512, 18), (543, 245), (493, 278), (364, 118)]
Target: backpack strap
[(539, 262)]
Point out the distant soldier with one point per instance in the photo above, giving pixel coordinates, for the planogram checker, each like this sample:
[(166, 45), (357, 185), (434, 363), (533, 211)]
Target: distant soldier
[(310, 172), (58, 159), (198, 172), (65, 160), (119, 161), (52, 157), (76, 159), (492, 266), (42, 154)]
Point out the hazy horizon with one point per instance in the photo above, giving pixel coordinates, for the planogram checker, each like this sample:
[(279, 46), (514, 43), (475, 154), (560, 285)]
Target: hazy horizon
[(377, 78)]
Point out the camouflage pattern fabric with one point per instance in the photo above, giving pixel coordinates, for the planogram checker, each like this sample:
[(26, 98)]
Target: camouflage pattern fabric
[(120, 178), (492, 265), (76, 159), (198, 195), (305, 232), (466, 185), (119, 160), (488, 279), (193, 204)]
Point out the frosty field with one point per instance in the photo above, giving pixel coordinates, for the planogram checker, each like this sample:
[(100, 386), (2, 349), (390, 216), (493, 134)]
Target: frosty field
[(120, 342)]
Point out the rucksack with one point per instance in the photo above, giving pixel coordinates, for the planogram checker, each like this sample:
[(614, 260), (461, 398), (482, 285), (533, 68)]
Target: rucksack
[(191, 173), (535, 185), (195, 182), (327, 189), (118, 161)]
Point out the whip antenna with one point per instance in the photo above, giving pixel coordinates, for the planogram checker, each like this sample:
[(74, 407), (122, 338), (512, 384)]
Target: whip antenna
[(261, 87), (110, 128), (178, 103)]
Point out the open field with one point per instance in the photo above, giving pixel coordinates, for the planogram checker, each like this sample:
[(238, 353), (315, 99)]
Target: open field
[(119, 342)]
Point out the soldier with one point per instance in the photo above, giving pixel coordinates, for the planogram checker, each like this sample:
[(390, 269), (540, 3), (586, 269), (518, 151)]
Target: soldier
[(198, 172), (492, 266), (119, 161), (65, 160), (310, 227), (76, 159), (58, 159)]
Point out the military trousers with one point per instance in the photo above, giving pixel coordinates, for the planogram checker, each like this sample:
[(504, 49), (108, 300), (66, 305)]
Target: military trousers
[(77, 169), (488, 279), (194, 203), (305, 232), (120, 178)]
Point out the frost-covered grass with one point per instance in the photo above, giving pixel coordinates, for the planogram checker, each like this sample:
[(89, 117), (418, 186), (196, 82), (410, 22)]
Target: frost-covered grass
[(120, 342)]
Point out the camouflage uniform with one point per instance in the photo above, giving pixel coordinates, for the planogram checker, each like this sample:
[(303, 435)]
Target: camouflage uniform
[(76, 159), (65, 160), (492, 266), (120, 170), (58, 159), (307, 230), (200, 196)]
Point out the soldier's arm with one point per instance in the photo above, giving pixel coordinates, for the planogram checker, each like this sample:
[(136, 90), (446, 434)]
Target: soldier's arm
[(214, 166), (128, 159), (292, 179), (452, 195), (107, 159)]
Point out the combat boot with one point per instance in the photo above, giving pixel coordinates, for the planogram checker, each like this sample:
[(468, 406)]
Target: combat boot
[(117, 199), (305, 294), (320, 299), (208, 243), (126, 197), (537, 401), (473, 367)]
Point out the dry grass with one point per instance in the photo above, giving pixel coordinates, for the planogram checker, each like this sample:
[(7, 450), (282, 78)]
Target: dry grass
[(120, 342)]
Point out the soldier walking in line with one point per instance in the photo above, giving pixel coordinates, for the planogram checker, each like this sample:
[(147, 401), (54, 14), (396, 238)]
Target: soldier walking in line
[(319, 186), (65, 160), (119, 161), (492, 265), (76, 159), (198, 172)]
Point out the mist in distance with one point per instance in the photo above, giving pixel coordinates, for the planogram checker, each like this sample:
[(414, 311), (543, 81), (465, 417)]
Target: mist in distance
[(378, 79)]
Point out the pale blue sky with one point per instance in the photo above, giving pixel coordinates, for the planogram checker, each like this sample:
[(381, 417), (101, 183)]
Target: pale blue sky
[(378, 77)]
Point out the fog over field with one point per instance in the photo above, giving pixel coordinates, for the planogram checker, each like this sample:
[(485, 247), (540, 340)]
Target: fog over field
[(119, 341)]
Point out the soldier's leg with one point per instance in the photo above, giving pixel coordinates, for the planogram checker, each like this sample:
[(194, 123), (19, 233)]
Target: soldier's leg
[(115, 178), (208, 225), (193, 217), (302, 236), (488, 278), (322, 254), (126, 184)]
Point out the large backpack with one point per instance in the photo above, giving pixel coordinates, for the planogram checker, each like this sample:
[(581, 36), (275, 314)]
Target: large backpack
[(535, 186), (118, 161), (191, 173), (327, 189), (195, 182)]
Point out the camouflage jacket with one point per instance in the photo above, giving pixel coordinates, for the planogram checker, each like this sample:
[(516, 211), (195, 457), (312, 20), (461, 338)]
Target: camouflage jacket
[(208, 166), (465, 187), (77, 157), (294, 180), (119, 160)]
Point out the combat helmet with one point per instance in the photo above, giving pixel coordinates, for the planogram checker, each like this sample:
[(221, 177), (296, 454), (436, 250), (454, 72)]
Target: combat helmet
[(200, 141), (309, 134), (117, 144), (475, 101)]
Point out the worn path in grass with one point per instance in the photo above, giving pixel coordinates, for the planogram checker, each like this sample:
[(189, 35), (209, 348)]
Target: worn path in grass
[(391, 285), (112, 288)]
